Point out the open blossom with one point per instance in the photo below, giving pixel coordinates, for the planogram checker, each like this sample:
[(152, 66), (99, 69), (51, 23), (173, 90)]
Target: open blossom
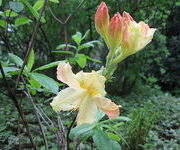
[(86, 92), (123, 32), (135, 35)]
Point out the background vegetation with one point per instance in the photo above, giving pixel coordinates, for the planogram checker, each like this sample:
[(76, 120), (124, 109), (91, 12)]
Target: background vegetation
[(145, 84)]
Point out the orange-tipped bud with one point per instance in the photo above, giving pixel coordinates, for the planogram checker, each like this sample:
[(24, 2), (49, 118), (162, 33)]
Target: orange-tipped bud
[(102, 19), (127, 16), (125, 37), (115, 31)]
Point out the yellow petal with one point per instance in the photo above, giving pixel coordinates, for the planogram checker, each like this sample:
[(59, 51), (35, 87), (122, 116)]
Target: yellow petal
[(67, 99), (93, 82), (107, 106), (87, 111), (146, 35), (65, 75)]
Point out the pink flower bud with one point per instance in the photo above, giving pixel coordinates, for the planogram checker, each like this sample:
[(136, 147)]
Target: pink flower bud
[(102, 19), (127, 16), (115, 31)]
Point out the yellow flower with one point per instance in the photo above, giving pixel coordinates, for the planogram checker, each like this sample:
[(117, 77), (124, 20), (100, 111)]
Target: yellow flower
[(86, 92), (136, 35)]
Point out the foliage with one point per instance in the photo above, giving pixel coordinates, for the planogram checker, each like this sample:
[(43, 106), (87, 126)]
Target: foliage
[(137, 131), (164, 132), (163, 135), (36, 80), (157, 66), (156, 70), (77, 57), (111, 136)]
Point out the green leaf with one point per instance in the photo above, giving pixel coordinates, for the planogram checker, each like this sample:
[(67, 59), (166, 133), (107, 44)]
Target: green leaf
[(32, 10), (85, 45), (8, 13), (15, 59), (10, 69), (61, 46), (81, 129), (81, 60), (3, 24), (34, 83), (122, 118), (77, 38), (46, 82), (22, 21), (114, 136), (50, 65), (64, 52), (103, 142), (86, 135), (114, 129), (0, 2), (54, 1), (16, 6), (88, 44), (38, 5), (85, 35), (100, 115), (115, 145), (30, 61), (92, 59)]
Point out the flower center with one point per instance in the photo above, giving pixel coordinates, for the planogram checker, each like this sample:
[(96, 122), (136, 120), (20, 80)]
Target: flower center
[(89, 87)]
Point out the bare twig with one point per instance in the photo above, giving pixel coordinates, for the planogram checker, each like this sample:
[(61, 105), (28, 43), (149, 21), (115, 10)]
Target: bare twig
[(19, 108), (31, 43), (62, 129), (68, 132), (38, 118), (69, 16)]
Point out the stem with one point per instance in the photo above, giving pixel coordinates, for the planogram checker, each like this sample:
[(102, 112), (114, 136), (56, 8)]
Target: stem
[(19, 108), (69, 16), (38, 119), (119, 58), (31, 43), (62, 129), (68, 132)]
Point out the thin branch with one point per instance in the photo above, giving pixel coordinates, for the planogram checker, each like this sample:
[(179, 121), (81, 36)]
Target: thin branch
[(62, 129), (31, 43), (42, 112), (38, 118), (54, 16), (69, 16), (19, 108), (68, 132)]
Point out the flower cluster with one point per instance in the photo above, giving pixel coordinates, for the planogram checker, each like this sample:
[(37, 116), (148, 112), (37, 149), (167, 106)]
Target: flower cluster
[(122, 34), (86, 90)]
